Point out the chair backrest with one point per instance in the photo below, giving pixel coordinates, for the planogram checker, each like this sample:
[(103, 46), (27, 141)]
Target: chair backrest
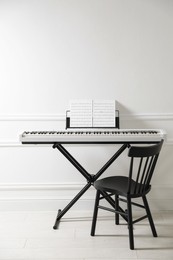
[(142, 165)]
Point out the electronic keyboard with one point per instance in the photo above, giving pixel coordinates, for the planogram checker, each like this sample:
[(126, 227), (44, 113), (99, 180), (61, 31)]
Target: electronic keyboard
[(93, 136)]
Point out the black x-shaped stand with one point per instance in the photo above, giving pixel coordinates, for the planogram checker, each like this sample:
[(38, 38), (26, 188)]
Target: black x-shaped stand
[(89, 177)]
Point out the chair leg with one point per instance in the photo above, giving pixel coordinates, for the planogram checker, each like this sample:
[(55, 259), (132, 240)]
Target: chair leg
[(149, 216), (130, 223), (116, 208), (93, 227)]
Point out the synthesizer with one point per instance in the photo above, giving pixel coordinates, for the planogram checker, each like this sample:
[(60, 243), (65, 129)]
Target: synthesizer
[(93, 136)]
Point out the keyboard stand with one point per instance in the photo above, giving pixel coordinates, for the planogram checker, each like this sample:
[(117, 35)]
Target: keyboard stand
[(89, 177)]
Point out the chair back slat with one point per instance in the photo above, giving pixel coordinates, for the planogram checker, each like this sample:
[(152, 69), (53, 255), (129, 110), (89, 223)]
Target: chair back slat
[(138, 174), (142, 165), (149, 170), (143, 174)]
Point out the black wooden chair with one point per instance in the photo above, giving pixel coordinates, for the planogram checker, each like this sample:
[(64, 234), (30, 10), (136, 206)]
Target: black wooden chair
[(136, 184)]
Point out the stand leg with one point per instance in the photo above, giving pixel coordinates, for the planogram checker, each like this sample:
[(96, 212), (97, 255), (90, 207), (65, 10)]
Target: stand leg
[(72, 202), (57, 220)]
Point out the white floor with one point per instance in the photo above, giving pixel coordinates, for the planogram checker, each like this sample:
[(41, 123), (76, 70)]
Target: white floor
[(29, 235)]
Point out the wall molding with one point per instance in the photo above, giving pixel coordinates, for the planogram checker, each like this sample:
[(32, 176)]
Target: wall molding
[(35, 117), (61, 117), (60, 186), (41, 186), (149, 116), (14, 144), (41, 196)]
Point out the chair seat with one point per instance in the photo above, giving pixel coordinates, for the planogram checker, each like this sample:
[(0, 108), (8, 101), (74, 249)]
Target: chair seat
[(118, 185)]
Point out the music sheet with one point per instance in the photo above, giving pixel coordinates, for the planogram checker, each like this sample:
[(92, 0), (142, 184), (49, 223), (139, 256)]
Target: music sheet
[(81, 113), (103, 113), (92, 113)]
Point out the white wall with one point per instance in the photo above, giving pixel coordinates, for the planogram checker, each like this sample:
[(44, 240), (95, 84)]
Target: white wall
[(53, 51)]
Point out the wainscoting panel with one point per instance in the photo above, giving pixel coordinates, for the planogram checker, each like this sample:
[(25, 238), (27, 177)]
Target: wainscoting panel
[(40, 178)]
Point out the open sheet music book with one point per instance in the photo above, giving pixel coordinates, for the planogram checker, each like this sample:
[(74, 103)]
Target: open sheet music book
[(92, 113)]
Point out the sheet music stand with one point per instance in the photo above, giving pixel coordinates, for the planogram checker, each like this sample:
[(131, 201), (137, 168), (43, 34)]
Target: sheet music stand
[(117, 120)]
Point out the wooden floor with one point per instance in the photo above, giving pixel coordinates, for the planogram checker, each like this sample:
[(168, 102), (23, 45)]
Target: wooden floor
[(29, 235)]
